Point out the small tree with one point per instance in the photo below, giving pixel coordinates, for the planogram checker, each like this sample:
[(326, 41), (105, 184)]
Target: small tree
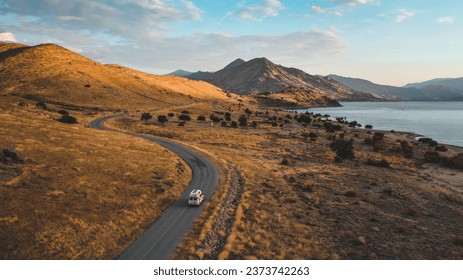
[(344, 149), (201, 118), (243, 121), (146, 116), (67, 119), (184, 117), (162, 119)]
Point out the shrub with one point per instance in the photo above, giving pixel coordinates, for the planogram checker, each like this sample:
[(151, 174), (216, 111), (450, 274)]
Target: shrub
[(247, 111), (234, 124), (304, 119), (344, 148), (170, 115), (7, 155), (184, 117), (224, 124), (87, 85), (378, 146), (454, 162), (432, 157), (63, 112), (146, 116), (185, 112), (379, 163), (162, 119), (312, 135), (429, 141), (407, 150), (22, 104), (214, 118), (254, 124), (351, 193), (441, 148), (243, 121), (181, 124), (201, 118), (274, 124), (41, 105), (368, 126), (284, 162), (68, 119)]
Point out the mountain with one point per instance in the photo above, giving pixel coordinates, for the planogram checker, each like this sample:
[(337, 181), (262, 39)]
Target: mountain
[(260, 75), (51, 73), (425, 93), (452, 83), (180, 73)]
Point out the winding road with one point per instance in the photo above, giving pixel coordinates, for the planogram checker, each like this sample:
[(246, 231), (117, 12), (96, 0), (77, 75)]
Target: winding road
[(161, 239)]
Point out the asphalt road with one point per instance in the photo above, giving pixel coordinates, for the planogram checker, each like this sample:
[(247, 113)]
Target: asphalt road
[(161, 239)]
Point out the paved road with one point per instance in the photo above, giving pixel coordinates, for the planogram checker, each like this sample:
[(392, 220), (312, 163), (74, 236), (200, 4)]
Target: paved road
[(161, 239)]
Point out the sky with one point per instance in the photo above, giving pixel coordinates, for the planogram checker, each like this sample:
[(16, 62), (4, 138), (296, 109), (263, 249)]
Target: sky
[(386, 41)]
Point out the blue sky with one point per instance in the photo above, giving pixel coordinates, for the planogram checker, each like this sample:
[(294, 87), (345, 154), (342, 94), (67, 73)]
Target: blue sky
[(385, 41)]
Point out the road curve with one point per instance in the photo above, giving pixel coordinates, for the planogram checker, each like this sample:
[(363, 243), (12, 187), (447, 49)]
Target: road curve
[(161, 239)]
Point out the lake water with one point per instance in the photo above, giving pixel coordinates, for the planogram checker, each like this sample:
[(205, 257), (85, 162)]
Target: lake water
[(441, 121)]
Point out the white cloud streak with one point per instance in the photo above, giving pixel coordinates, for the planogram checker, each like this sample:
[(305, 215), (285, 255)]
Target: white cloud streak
[(403, 15), (355, 2), (7, 37), (447, 20), (265, 9), (320, 10)]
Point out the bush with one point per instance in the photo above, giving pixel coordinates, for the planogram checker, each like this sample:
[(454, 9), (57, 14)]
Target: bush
[(344, 148), (243, 121), (432, 157), (234, 124), (41, 105), (22, 104), (312, 135), (254, 124), (441, 148), (214, 118), (184, 117), (201, 118), (379, 163), (162, 119), (170, 115), (63, 112), (407, 150), (224, 124), (455, 162), (68, 119), (7, 155), (304, 119), (429, 141), (284, 162), (146, 116), (368, 126)]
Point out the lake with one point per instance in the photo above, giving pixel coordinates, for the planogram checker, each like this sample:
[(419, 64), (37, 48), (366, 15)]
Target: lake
[(439, 120)]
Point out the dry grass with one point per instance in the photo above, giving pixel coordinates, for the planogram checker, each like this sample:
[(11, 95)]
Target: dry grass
[(82, 193), (314, 208)]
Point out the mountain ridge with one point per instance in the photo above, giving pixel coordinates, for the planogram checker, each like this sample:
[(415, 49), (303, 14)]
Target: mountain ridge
[(260, 75)]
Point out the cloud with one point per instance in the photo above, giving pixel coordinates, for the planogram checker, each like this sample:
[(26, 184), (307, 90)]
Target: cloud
[(7, 37), (113, 18), (355, 2), (195, 12), (265, 9), (447, 20), (403, 15), (327, 11), (211, 51)]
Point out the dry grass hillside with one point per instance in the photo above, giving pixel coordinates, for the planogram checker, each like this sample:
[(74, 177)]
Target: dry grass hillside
[(72, 192), (51, 73)]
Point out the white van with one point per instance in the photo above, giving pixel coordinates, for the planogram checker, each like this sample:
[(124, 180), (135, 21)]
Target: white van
[(196, 197)]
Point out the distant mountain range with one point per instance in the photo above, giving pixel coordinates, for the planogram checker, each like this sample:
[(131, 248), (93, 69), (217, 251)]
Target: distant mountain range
[(436, 89), (260, 75)]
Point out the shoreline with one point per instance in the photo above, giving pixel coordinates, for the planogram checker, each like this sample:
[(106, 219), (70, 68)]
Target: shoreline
[(415, 134)]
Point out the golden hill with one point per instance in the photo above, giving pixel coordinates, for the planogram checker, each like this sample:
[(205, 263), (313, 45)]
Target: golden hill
[(53, 74)]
